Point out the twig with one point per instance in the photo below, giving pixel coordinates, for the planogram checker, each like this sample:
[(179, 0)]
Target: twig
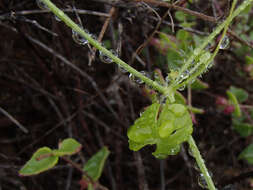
[(21, 127), (79, 11), (101, 35)]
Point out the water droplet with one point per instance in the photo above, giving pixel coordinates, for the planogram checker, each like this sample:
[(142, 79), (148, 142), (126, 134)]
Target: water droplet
[(201, 181), (136, 79), (104, 58), (181, 88), (78, 38), (225, 42), (168, 79), (190, 152), (184, 75), (229, 187), (121, 69), (210, 64), (57, 18), (196, 167), (41, 5)]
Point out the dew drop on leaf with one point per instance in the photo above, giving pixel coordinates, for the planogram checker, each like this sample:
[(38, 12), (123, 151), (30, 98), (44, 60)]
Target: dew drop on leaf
[(225, 43), (41, 5), (78, 38)]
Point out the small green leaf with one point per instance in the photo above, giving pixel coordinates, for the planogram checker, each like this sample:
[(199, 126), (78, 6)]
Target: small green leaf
[(95, 164), (34, 166), (179, 98), (67, 147), (180, 16), (240, 94), (143, 129), (247, 154), (234, 101), (199, 85), (244, 129), (173, 127)]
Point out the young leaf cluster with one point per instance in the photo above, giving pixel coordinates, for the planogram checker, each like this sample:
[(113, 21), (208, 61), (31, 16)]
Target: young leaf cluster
[(166, 128)]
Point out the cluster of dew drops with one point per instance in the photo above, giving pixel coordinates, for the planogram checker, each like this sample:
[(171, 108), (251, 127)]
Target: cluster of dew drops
[(81, 40), (105, 59)]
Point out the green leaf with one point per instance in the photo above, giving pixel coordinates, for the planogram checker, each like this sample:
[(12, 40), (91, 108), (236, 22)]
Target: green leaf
[(173, 127), (42, 160), (144, 127), (67, 147), (199, 85), (247, 154), (94, 166), (244, 129), (180, 16), (234, 101), (249, 59), (179, 98), (240, 94)]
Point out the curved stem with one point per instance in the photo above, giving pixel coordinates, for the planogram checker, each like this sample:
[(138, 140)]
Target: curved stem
[(61, 15), (197, 51), (168, 91), (201, 163)]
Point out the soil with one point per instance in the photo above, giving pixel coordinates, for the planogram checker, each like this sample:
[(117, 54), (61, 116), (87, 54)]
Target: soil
[(53, 101)]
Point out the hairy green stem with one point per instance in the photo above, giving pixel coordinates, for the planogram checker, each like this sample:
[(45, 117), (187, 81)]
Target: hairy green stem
[(197, 51), (201, 164), (202, 66)]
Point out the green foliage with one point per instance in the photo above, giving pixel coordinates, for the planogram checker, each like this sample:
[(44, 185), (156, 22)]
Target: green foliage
[(173, 127), (243, 128), (199, 85), (45, 158), (234, 102), (247, 154), (37, 165), (240, 94), (67, 147), (94, 166)]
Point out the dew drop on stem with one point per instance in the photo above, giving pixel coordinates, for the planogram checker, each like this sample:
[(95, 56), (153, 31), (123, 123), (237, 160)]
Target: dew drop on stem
[(105, 59), (78, 38), (136, 79), (225, 43), (168, 79), (41, 5), (181, 88), (57, 18), (201, 180), (121, 69)]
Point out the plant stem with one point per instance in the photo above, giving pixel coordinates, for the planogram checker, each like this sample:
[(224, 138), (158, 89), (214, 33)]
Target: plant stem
[(61, 15), (201, 163), (201, 67), (162, 89), (197, 51)]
